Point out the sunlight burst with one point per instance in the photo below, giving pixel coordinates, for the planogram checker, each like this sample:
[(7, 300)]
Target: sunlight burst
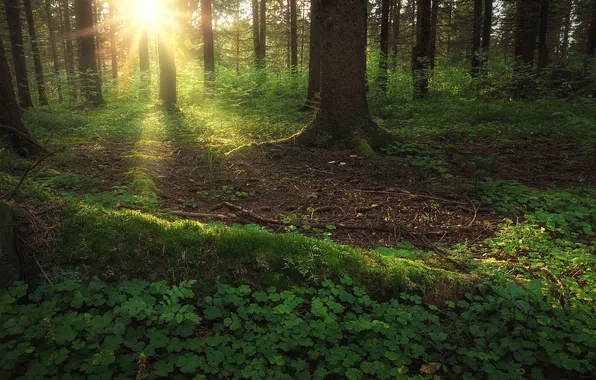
[(147, 11)]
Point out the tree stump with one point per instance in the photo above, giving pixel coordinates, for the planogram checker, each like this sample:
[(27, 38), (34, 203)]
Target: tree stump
[(10, 265)]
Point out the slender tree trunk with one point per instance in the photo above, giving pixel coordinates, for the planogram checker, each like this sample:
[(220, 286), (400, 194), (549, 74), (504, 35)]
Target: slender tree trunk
[(343, 119), (208, 52), (384, 48), (255, 30), (528, 16), (420, 52), (89, 75), (12, 129), (433, 34), (144, 64), (167, 71), (98, 39), (263, 32), (39, 77), (13, 19), (395, 26), (566, 31), (302, 37), (487, 29), (591, 48), (476, 38), (113, 46), (314, 64), (69, 49), (52, 33), (293, 36), (543, 35)]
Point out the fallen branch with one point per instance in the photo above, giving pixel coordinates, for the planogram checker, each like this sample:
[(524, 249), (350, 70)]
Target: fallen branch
[(23, 135)]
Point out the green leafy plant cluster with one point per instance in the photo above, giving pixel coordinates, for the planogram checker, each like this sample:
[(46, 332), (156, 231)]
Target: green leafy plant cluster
[(419, 157), (153, 330)]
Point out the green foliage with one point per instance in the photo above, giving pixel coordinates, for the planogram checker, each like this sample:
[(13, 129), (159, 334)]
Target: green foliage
[(419, 157), (154, 330)]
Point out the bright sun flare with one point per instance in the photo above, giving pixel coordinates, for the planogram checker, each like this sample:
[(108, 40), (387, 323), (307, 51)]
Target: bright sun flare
[(147, 11)]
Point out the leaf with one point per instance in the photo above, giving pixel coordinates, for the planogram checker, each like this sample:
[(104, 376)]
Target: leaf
[(119, 328), (430, 368), (212, 313), (353, 373)]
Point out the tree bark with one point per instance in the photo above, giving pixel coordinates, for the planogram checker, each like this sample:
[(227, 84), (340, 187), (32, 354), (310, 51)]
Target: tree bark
[(487, 29), (420, 62), (10, 265), (293, 36), (144, 64), (167, 72), (12, 129), (384, 48), (68, 46), (89, 75), (208, 52), (543, 35), (255, 30), (476, 38), (591, 48), (433, 33), (39, 78), (13, 19), (528, 16), (314, 64), (113, 46), (54, 47), (263, 32), (395, 26), (343, 119)]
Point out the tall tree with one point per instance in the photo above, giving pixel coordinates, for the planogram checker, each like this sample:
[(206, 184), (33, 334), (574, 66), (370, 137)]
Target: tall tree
[(263, 31), (527, 19), (420, 62), (39, 78), (68, 46), (207, 29), (89, 75), (591, 48), (476, 38), (54, 47), (144, 64), (395, 26), (255, 30), (113, 45), (13, 19), (343, 119), (314, 64), (293, 36), (167, 71), (12, 129), (384, 53), (543, 35), (432, 50), (487, 28)]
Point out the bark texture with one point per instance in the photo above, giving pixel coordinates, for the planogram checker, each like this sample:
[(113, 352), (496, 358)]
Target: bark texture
[(314, 64), (88, 70), (384, 48), (543, 35), (39, 78), (113, 46), (167, 72), (476, 38), (293, 36), (343, 119), (68, 46), (395, 26), (591, 48), (207, 29), (54, 47), (13, 19), (487, 28), (420, 64), (434, 18), (10, 265)]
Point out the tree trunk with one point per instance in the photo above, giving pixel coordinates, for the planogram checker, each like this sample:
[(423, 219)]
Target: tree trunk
[(395, 26), (343, 119), (144, 64), (51, 29), (13, 19), (433, 33), (314, 64), (12, 129), (98, 40), (591, 48), (476, 38), (167, 71), (487, 29), (528, 16), (543, 35), (384, 48), (566, 30), (113, 46), (420, 51), (208, 52), (69, 50), (89, 75), (40, 81), (10, 264), (255, 30), (293, 36), (263, 32)]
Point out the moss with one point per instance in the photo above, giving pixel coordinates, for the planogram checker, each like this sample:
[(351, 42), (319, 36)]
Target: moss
[(29, 191), (117, 245), (364, 149)]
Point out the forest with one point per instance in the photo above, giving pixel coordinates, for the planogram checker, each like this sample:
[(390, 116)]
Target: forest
[(298, 189)]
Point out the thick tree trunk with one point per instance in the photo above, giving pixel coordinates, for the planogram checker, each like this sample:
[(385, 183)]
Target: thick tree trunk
[(395, 26), (314, 64), (167, 71), (543, 35), (432, 50), (89, 75), (208, 52), (113, 46), (10, 265), (528, 17), (343, 119), (12, 129), (476, 38), (591, 48), (40, 81), (487, 29), (420, 51), (384, 48), (68, 46), (293, 36), (13, 19), (52, 33)]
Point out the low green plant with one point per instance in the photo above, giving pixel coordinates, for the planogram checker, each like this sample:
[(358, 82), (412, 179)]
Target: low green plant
[(419, 157)]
